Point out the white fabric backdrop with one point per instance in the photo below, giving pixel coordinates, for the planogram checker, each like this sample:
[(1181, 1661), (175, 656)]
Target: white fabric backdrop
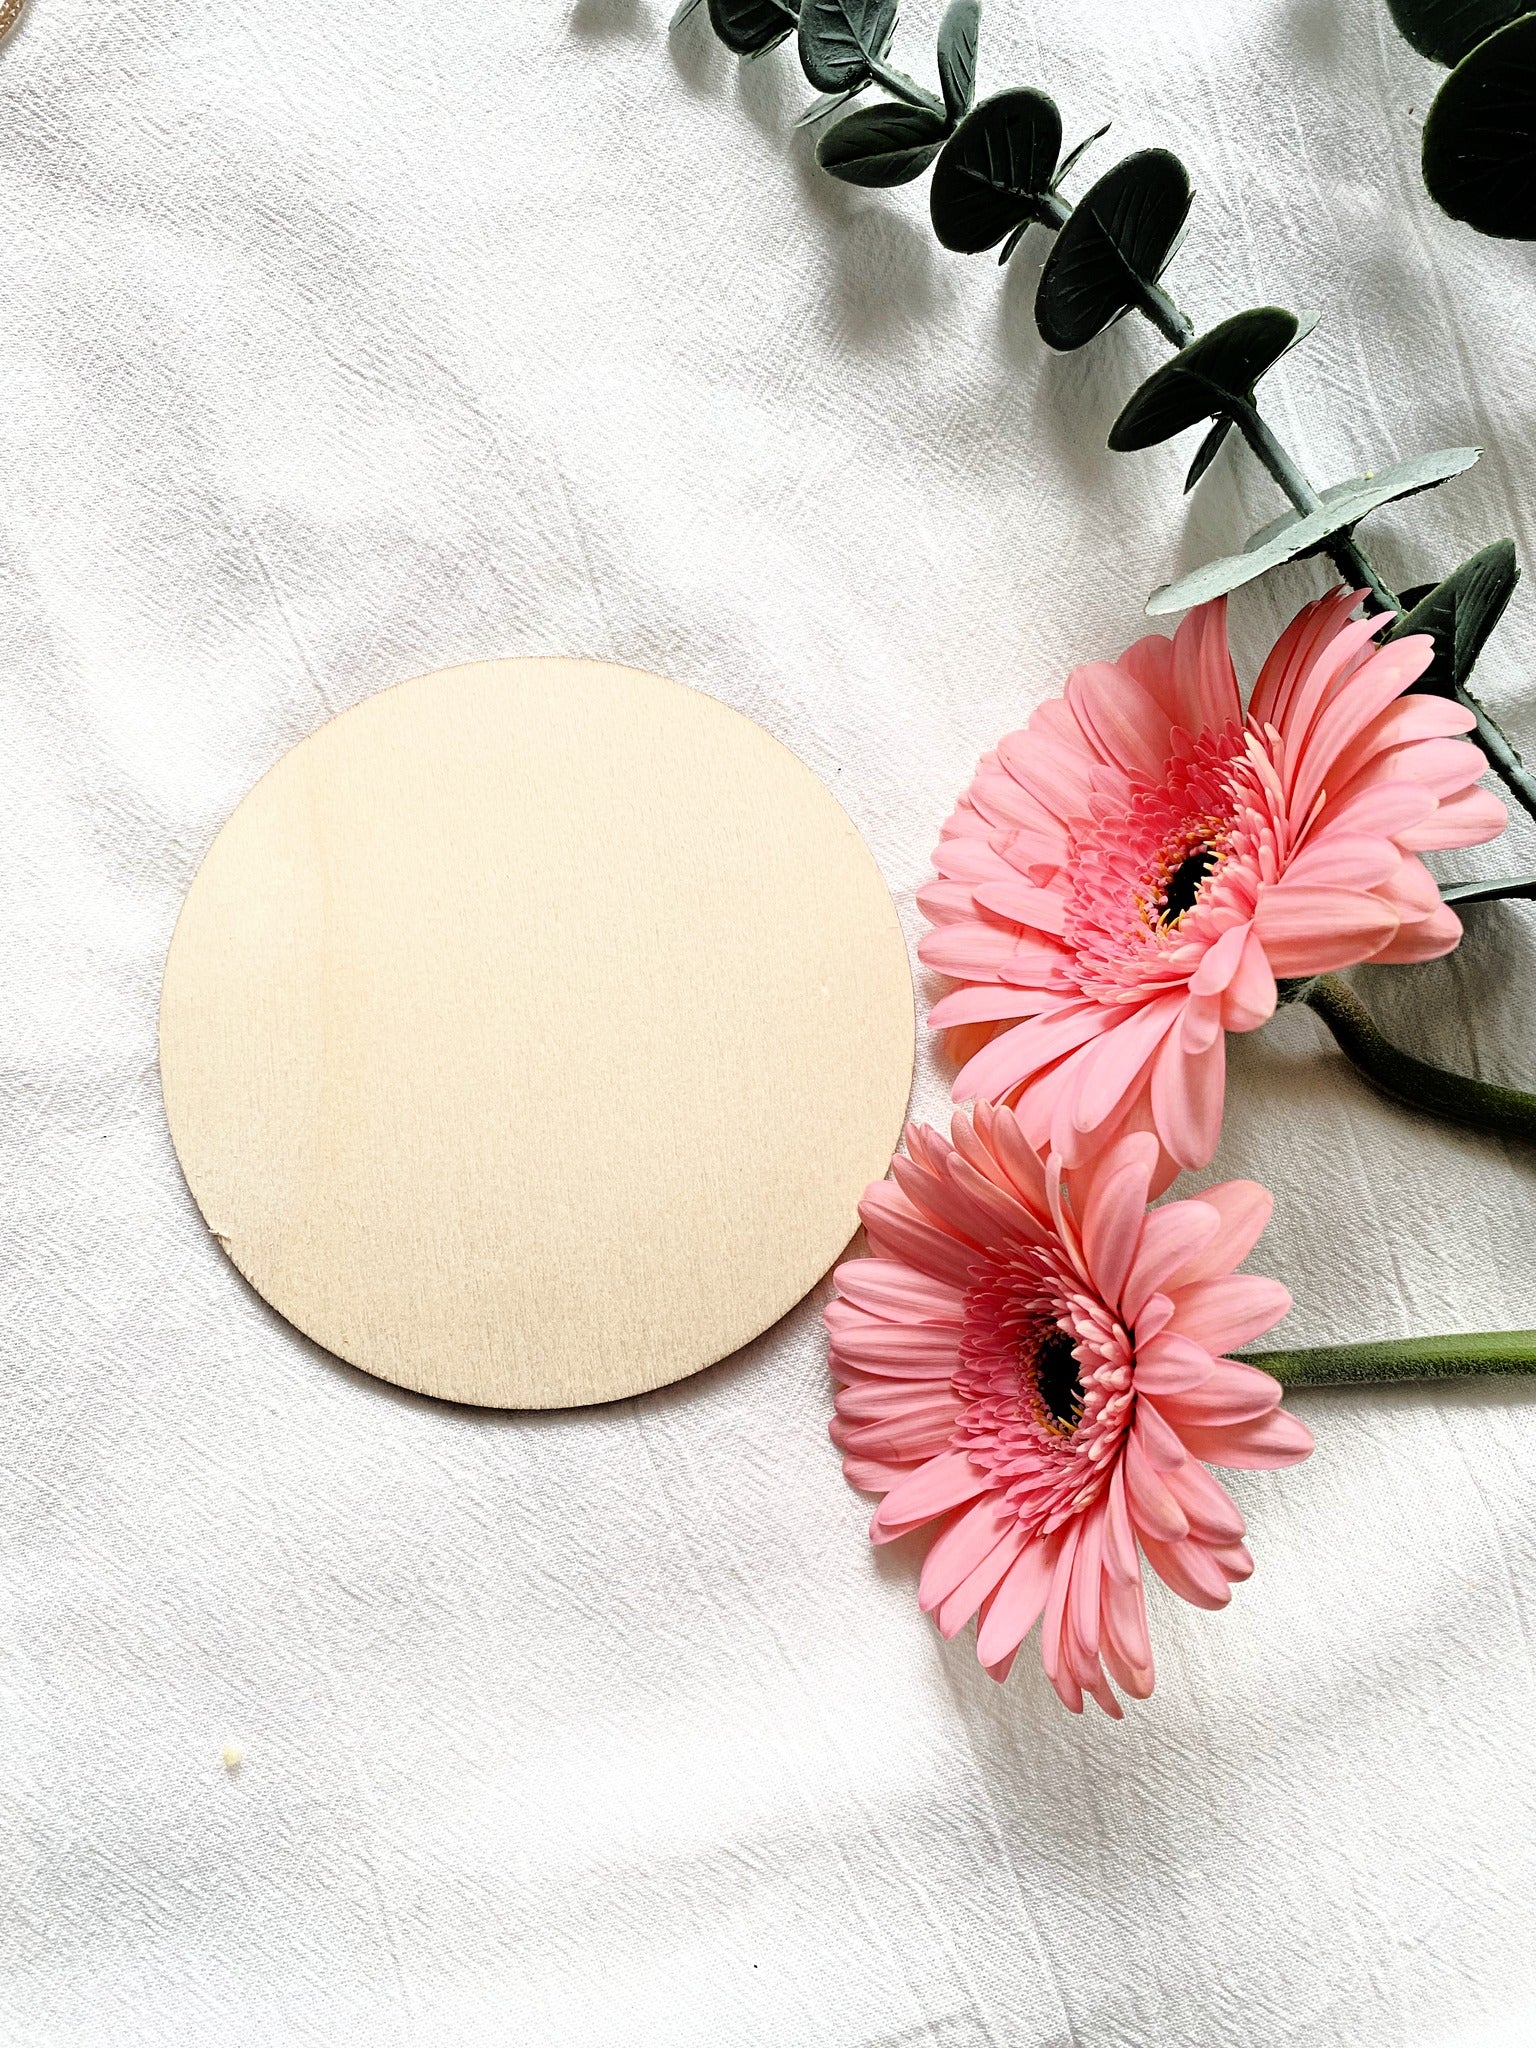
[(345, 341)]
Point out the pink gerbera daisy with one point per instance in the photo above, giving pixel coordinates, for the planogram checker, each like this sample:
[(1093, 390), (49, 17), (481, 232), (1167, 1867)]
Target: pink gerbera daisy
[(1032, 1359), (1125, 879)]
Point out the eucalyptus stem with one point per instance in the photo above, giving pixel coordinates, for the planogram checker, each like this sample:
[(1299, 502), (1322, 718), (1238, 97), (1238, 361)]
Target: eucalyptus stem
[(1508, 1112), (1466, 1356)]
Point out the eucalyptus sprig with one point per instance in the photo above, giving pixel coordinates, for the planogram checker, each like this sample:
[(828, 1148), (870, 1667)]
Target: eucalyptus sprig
[(998, 169)]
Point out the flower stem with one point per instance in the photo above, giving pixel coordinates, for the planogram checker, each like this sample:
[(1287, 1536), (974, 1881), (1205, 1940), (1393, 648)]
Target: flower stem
[(1404, 1358), (1509, 1112)]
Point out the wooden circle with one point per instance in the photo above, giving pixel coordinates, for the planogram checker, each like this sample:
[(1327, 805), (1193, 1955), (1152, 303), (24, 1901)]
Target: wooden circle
[(531, 1030)]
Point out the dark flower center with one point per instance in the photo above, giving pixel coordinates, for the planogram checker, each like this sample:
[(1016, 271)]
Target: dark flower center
[(1059, 1383), (1184, 884)]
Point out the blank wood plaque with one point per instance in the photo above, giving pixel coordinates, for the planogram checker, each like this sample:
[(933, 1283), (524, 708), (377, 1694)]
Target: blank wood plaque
[(531, 1030)]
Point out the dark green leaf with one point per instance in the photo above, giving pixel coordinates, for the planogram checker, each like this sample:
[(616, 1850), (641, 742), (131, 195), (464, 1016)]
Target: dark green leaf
[(959, 32), (839, 39), (1214, 374), (1116, 241), (750, 26), (1300, 533), (1447, 29), (1207, 453), (685, 8), (1489, 892), (885, 145), (1480, 137), (1015, 236), (1414, 594), (1460, 613), (1079, 150), (995, 169), (829, 104)]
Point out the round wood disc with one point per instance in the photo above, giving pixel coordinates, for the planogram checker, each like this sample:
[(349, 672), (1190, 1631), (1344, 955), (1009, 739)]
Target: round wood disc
[(531, 1030)]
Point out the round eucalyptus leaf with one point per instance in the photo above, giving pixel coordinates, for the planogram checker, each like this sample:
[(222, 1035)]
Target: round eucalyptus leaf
[(1447, 29), (1300, 533), (995, 169), (749, 27), (1214, 374), (1117, 240), (885, 145), (1460, 613), (959, 33), (1480, 137), (840, 39)]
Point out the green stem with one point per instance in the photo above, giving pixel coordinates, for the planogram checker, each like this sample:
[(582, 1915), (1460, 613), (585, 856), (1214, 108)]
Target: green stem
[(1508, 764), (1350, 559), (1405, 1358), (1509, 1112), (900, 87)]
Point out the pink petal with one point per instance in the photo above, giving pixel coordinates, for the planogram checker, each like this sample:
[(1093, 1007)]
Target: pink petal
[(943, 1483), (1221, 962), (1167, 1364), (1121, 1055), (1189, 1570), (973, 950), (1428, 938), (1125, 1644), (1265, 1445), (1155, 1510), (1372, 688), (1221, 1314), (1170, 1239), (1306, 929), (1344, 860), (883, 1287), (1233, 1393), (1245, 1209), (918, 1349), (1083, 1595), (1043, 910), (1124, 721), (1120, 1561), (897, 1232), (1205, 683), (1113, 1216), (994, 1003), (1212, 1513), (1012, 1058), (1187, 1094), (961, 1545), (976, 1590), (1019, 1601), (870, 1475), (1251, 996), (1296, 652), (1468, 819), (1387, 809)]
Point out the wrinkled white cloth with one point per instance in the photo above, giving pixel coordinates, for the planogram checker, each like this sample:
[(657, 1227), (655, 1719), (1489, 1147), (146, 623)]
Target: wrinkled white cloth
[(343, 341)]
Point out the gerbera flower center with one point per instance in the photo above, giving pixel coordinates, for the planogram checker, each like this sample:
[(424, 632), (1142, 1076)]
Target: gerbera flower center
[(1058, 1382), (1184, 884)]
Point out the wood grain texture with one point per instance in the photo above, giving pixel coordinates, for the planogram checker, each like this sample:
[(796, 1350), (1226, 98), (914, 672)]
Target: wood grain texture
[(531, 1030)]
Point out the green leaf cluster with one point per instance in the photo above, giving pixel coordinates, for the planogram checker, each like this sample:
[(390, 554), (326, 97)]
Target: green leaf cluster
[(998, 168), (1479, 151)]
